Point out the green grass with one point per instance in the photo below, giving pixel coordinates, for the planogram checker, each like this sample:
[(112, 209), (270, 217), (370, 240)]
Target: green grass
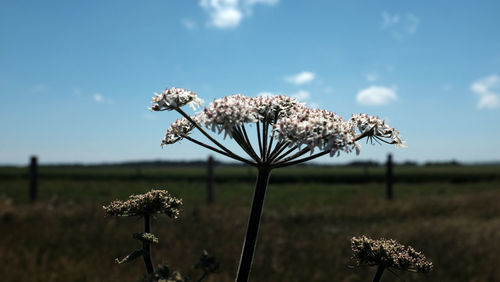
[(304, 235), (337, 174)]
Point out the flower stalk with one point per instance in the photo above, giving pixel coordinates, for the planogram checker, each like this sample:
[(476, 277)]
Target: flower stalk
[(253, 224), (146, 246), (378, 274)]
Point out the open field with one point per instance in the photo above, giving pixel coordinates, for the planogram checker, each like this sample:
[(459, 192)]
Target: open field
[(304, 235)]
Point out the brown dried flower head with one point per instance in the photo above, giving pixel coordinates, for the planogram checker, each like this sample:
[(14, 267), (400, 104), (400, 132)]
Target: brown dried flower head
[(153, 202), (146, 237), (389, 254)]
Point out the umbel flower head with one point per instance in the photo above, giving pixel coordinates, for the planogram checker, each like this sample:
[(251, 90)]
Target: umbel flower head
[(291, 123), (388, 253), (170, 99), (150, 203)]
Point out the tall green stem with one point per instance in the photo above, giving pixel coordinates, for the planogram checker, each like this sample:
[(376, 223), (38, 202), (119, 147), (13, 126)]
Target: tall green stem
[(147, 246), (378, 275), (253, 225)]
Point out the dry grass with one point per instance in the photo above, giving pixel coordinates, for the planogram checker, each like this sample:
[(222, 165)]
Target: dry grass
[(75, 242)]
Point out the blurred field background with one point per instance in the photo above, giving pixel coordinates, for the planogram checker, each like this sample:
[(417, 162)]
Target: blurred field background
[(450, 212)]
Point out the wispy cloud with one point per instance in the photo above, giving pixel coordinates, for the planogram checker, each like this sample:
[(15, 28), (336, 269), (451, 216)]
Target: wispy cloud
[(400, 26), (376, 95), (188, 24), (372, 76), (228, 14), (99, 98), (77, 91), (301, 78), (488, 89), (301, 95)]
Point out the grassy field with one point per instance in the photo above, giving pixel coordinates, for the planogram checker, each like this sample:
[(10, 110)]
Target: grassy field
[(304, 236)]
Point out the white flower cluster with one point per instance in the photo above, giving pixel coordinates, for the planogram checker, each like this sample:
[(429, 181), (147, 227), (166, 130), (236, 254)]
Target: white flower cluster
[(317, 128), (270, 108), (374, 127), (225, 113), (177, 131), (173, 98), (291, 122)]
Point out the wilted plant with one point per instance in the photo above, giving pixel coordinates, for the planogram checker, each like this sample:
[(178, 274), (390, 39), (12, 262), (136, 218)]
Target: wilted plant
[(147, 206), (388, 254), (286, 131)]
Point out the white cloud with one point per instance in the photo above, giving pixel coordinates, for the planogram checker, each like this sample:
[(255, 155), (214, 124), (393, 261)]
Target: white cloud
[(267, 2), (98, 98), (389, 20), (188, 24), (372, 77), (488, 89), (228, 14), (301, 78), (376, 95), (301, 95), (400, 26)]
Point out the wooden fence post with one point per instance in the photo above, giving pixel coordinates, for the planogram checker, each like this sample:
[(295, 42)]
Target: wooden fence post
[(210, 180), (389, 178), (33, 174)]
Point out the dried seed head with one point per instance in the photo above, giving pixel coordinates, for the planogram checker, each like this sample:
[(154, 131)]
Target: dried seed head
[(153, 202), (146, 237), (388, 253)]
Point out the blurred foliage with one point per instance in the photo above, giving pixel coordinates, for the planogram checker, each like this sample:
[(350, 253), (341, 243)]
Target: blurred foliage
[(304, 235)]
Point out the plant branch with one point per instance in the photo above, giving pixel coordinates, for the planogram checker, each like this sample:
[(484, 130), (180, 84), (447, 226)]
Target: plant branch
[(240, 139), (264, 139), (280, 147), (278, 163), (272, 137), (278, 158), (294, 156), (203, 131), (147, 246), (233, 156), (243, 130), (284, 163), (260, 141), (378, 274)]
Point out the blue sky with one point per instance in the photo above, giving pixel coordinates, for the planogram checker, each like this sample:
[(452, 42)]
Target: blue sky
[(76, 77)]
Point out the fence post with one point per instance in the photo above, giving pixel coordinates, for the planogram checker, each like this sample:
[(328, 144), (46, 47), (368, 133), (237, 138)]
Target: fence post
[(389, 178), (33, 174), (210, 180)]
